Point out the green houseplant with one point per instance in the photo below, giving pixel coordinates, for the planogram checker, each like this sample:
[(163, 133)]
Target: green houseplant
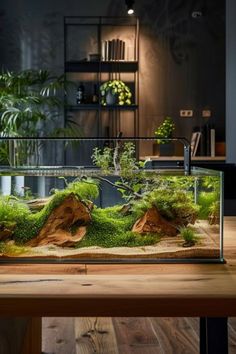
[(164, 132), (31, 104), (29, 99), (115, 92)]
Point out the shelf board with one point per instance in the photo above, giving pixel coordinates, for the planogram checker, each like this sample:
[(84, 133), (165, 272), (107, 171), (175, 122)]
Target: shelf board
[(101, 66), (97, 107), (181, 158)]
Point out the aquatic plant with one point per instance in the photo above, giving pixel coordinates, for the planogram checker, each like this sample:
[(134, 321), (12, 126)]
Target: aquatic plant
[(127, 160), (122, 161), (121, 158), (176, 206), (211, 183), (189, 236), (109, 228), (214, 213), (205, 200), (178, 182), (12, 209), (208, 198), (103, 159), (85, 190)]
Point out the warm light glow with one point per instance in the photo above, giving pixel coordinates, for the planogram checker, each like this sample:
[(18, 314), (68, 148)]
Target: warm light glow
[(130, 6)]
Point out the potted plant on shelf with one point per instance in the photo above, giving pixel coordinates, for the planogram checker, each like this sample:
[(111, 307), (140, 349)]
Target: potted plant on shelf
[(115, 92), (163, 146)]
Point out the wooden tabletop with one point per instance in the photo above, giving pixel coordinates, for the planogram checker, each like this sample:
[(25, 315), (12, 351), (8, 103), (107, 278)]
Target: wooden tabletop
[(122, 290)]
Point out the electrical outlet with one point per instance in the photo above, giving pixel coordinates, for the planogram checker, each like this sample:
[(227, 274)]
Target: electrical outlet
[(186, 113), (206, 113)]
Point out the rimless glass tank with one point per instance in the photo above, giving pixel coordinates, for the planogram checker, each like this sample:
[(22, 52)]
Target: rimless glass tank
[(98, 200)]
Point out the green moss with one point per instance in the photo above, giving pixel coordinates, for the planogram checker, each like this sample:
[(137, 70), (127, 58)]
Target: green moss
[(172, 205), (29, 226), (10, 249), (84, 190), (109, 228), (12, 210)]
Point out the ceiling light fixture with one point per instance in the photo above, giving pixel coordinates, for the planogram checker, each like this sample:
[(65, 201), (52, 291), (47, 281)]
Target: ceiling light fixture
[(130, 6)]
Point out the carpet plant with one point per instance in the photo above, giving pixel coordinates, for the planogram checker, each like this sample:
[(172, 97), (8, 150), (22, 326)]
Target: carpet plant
[(109, 228)]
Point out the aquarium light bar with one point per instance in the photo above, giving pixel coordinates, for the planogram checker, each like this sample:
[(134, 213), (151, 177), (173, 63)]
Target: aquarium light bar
[(95, 138), (184, 141)]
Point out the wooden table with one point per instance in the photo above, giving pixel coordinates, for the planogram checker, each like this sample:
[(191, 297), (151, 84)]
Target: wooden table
[(174, 290)]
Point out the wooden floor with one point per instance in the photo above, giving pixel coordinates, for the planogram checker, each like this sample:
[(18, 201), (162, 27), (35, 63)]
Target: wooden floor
[(125, 335), (132, 335)]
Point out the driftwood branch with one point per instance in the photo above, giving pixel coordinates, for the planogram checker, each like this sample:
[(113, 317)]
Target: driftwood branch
[(120, 186)]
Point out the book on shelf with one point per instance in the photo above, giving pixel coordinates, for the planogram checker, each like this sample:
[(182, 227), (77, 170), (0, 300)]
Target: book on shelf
[(195, 142), (209, 139), (213, 142), (122, 55), (113, 50), (103, 50)]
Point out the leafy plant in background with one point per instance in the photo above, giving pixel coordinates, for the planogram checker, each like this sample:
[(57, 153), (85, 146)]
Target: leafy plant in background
[(27, 98), (30, 105), (118, 89), (165, 130)]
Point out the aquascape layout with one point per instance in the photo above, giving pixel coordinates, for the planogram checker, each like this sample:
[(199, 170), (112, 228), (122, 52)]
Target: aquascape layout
[(118, 209)]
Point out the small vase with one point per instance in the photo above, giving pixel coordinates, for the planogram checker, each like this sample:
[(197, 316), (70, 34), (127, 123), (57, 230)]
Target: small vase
[(110, 98), (164, 149)]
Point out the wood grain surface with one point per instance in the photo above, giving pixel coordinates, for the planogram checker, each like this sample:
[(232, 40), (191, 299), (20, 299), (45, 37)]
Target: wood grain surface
[(128, 290), (95, 335), (123, 290), (126, 335)]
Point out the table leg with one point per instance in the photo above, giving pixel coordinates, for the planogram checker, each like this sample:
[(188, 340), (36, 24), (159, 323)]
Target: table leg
[(20, 335), (213, 335)]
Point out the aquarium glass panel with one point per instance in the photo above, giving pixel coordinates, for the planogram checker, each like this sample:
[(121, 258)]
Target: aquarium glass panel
[(105, 200)]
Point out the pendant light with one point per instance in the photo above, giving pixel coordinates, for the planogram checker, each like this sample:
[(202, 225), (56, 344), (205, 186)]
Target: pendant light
[(130, 6)]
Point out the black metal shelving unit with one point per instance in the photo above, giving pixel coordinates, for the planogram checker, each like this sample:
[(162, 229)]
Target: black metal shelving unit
[(83, 36)]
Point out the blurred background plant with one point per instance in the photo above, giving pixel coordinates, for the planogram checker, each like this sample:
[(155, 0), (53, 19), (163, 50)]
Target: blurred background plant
[(31, 105), (165, 130)]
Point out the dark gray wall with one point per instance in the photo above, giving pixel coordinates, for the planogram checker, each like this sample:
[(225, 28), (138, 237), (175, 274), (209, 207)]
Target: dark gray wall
[(182, 61), (231, 81)]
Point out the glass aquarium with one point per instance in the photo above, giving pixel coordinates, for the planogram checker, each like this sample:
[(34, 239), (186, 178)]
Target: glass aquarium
[(98, 200)]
